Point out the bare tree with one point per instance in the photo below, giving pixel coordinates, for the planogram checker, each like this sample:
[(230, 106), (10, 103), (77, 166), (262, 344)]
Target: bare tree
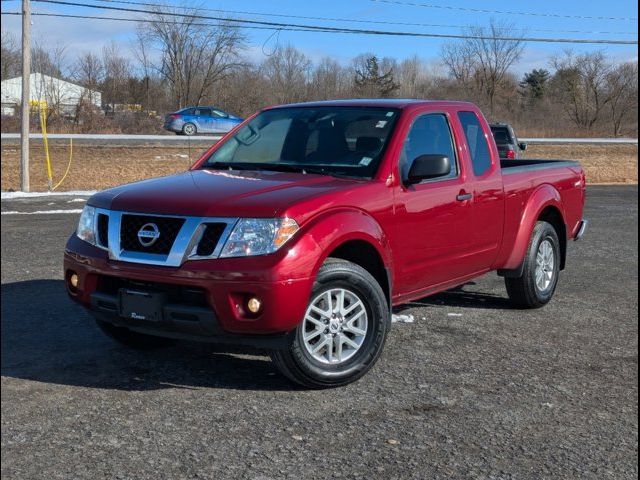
[(117, 71), (494, 56), (329, 80), (460, 60), (193, 56), (49, 60), (11, 60), (49, 64), (484, 58), (581, 86), (288, 72), (413, 78), (89, 71), (622, 91)]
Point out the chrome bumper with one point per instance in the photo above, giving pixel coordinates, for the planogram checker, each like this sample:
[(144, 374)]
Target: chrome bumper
[(581, 229)]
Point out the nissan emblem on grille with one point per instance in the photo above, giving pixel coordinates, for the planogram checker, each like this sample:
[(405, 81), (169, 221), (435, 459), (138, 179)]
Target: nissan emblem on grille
[(148, 234)]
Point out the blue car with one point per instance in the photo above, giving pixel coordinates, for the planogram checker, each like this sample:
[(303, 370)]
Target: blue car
[(192, 120)]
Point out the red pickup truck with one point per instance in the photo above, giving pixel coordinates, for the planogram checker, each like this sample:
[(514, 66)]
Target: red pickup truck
[(302, 228)]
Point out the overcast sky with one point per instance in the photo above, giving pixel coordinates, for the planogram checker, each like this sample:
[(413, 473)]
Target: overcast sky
[(90, 35)]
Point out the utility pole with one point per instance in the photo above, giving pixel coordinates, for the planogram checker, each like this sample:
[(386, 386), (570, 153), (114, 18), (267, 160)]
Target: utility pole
[(26, 73)]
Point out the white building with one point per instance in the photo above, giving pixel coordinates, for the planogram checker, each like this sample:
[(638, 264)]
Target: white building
[(59, 95)]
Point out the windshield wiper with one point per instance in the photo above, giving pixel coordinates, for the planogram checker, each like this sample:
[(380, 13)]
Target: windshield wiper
[(228, 166), (277, 167)]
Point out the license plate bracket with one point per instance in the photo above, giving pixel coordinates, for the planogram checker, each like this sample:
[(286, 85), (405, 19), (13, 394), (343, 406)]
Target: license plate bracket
[(141, 305)]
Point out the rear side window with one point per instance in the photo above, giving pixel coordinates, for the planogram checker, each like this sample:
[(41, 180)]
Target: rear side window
[(477, 142), (429, 135)]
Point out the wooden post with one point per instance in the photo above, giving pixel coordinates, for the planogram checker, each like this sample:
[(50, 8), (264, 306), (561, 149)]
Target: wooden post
[(26, 73)]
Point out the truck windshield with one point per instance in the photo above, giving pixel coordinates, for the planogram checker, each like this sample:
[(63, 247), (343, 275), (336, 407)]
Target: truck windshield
[(347, 141)]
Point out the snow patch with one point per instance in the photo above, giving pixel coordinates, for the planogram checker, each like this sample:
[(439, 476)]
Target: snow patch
[(41, 212), (73, 193), (402, 319)]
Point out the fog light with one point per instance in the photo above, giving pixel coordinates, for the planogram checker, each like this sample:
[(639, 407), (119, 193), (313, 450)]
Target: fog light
[(73, 280), (254, 305)]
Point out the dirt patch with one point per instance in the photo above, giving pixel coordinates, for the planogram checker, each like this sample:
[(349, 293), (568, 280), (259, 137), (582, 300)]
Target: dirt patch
[(99, 167), (602, 163), (96, 167)]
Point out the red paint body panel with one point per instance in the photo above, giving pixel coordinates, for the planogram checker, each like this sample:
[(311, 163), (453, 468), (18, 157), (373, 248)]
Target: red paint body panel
[(427, 239)]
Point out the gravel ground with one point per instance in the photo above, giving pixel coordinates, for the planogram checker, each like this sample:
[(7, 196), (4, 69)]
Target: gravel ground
[(471, 389)]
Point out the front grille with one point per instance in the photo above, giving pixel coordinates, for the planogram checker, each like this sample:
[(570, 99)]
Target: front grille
[(210, 238), (168, 227), (103, 230)]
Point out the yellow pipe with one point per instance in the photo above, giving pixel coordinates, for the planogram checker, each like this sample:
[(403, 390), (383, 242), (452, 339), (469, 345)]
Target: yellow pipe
[(43, 125), (68, 165)]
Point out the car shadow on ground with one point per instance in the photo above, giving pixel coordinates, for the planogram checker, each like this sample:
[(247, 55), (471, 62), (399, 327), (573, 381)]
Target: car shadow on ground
[(461, 297), (48, 338)]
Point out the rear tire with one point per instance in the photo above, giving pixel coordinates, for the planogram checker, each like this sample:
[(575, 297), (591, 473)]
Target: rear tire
[(353, 331), (189, 129), (131, 339), (537, 285)]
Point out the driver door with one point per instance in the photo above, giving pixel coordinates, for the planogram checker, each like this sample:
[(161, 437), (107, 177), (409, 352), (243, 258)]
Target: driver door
[(432, 240)]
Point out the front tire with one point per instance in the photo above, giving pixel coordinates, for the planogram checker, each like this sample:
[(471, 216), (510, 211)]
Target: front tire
[(343, 331), (131, 339), (536, 286)]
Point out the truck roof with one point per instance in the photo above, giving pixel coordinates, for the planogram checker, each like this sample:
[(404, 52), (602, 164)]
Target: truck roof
[(378, 102)]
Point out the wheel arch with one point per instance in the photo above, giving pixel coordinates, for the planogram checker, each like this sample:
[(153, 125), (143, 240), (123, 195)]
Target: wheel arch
[(364, 254), (544, 204), (553, 216), (357, 237)]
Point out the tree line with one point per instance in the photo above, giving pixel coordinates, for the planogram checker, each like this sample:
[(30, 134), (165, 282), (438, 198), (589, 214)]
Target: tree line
[(176, 62)]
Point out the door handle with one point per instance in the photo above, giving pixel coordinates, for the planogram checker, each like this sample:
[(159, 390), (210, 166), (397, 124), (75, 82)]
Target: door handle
[(463, 197)]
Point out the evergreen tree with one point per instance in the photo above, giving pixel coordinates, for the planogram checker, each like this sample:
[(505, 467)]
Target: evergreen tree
[(371, 82), (534, 83)]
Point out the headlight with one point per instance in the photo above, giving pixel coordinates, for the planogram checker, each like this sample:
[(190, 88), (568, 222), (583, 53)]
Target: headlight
[(258, 236), (86, 225)]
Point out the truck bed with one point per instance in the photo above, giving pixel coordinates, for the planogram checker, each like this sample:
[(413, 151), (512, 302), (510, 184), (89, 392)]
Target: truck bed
[(528, 165), (562, 179)]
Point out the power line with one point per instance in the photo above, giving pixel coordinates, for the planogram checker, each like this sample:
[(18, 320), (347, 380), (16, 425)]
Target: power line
[(503, 12), (145, 20), (326, 29), (351, 20)]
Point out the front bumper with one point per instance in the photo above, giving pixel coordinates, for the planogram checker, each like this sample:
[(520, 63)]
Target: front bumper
[(223, 286)]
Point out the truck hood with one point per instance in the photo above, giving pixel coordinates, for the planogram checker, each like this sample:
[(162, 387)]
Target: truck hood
[(219, 193)]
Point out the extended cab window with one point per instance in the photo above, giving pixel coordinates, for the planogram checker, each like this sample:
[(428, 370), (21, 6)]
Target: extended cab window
[(429, 135), (477, 142)]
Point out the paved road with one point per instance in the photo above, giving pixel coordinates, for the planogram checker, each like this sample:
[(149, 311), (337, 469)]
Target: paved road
[(472, 389), (144, 139)]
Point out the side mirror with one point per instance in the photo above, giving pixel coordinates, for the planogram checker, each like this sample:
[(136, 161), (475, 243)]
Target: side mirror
[(523, 146), (428, 166)]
